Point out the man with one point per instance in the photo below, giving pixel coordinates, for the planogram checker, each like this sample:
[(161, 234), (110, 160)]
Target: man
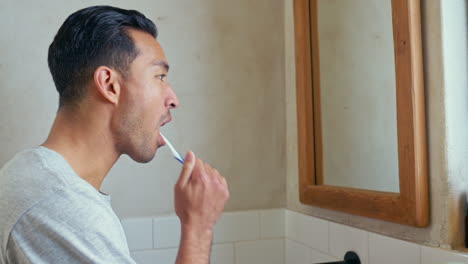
[(110, 73)]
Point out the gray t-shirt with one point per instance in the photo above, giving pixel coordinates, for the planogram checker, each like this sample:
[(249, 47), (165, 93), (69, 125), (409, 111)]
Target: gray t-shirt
[(48, 214)]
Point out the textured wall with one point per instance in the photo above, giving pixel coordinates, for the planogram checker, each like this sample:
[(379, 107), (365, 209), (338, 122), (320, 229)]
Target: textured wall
[(227, 67), (445, 70)]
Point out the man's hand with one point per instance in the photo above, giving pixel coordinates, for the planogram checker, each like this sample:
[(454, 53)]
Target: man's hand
[(200, 195)]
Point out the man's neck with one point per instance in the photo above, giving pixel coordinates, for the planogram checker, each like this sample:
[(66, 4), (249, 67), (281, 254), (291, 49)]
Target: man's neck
[(85, 143)]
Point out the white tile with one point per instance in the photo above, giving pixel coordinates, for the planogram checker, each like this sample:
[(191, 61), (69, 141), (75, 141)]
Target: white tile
[(386, 250), (161, 256), (431, 255), (297, 253), (345, 238), (237, 226), (166, 232), (222, 254), (272, 223), (311, 231), (260, 252), (138, 232), (319, 257)]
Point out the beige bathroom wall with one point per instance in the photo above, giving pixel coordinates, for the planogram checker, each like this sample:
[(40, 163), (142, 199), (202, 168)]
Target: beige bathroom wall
[(227, 67), (445, 72)]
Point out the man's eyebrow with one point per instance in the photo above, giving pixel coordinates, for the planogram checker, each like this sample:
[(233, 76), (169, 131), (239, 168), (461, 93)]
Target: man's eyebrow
[(161, 63)]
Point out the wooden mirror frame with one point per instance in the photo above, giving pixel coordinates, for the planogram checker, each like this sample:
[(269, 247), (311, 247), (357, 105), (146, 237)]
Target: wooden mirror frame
[(410, 206)]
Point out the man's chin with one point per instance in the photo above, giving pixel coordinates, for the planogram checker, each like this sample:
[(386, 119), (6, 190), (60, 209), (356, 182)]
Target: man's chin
[(143, 157)]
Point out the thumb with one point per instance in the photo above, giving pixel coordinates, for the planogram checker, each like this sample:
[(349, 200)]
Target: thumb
[(189, 163)]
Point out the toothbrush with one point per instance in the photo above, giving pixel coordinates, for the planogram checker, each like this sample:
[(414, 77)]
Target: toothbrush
[(174, 152)]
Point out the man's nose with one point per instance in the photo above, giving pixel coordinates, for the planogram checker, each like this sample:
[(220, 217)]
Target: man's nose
[(172, 100)]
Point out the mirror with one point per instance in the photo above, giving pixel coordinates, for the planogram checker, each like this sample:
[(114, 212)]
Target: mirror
[(357, 101), (360, 107)]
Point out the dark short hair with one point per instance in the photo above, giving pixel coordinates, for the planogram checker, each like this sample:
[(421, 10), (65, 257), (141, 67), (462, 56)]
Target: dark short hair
[(89, 38)]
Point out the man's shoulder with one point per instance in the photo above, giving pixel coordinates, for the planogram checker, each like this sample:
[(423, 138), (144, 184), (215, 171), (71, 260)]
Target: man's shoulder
[(74, 207), (25, 179), (30, 178), (72, 219), (39, 177), (31, 168)]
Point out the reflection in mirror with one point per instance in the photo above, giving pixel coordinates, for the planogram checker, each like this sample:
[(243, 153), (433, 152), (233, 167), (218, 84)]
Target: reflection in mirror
[(357, 94)]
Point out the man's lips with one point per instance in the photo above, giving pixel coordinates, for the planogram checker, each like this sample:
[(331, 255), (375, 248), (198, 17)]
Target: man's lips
[(166, 119)]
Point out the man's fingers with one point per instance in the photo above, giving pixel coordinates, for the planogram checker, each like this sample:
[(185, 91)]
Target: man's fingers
[(212, 173), (189, 164), (197, 170), (218, 176), (223, 181)]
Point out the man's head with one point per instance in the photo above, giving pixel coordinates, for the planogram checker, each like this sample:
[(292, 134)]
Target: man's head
[(110, 57)]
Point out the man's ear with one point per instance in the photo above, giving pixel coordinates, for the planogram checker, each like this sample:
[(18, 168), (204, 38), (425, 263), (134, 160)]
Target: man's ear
[(107, 83)]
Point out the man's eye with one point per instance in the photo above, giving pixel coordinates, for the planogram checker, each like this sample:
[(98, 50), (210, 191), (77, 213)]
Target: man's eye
[(161, 77)]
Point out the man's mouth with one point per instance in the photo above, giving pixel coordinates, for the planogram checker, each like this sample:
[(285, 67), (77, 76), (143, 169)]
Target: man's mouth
[(166, 119)]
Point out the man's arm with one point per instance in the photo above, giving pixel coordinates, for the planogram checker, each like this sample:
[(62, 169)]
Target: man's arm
[(200, 195)]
